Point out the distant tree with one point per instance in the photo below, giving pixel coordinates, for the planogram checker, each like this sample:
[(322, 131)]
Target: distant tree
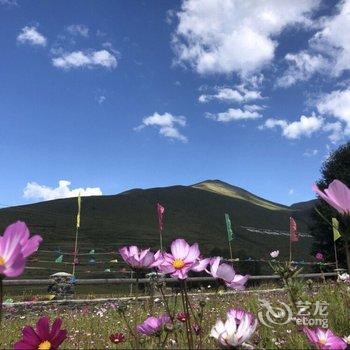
[(336, 166)]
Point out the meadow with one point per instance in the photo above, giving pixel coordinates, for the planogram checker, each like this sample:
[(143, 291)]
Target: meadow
[(90, 325)]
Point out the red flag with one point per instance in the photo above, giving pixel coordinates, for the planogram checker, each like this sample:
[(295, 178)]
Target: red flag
[(160, 211), (293, 230)]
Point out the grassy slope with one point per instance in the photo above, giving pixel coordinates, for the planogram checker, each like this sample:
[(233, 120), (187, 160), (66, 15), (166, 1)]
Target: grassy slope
[(195, 213)]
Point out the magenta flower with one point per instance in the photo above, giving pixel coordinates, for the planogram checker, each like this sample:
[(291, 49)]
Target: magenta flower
[(15, 247), (42, 337), (238, 328), (182, 316), (337, 195), (183, 258), (325, 339), (153, 325), (137, 258), (319, 256), (227, 274), (117, 338)]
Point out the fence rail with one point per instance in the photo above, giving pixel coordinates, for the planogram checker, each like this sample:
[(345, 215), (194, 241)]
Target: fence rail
[(98, 281)]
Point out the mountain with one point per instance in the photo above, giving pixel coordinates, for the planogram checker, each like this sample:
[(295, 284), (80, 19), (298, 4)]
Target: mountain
[(195, 213)]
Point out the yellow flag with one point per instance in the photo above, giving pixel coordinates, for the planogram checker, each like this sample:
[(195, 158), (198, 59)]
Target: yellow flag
[(335, 224), (79, 208)]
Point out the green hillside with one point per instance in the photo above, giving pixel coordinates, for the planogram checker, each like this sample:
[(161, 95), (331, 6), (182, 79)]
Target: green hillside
[(195, 213)]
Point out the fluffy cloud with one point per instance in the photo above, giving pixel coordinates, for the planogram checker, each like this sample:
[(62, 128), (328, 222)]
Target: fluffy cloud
[(77, 59), (167, 123), (328, 52), (248, 112), (301, 67), (31, 36), (42, 192), (337, 104), (78, 29), (306, 126), (333, 39), (215, 36), (238, 94)]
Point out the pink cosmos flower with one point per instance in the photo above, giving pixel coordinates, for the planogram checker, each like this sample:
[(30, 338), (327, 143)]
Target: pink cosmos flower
[(238, 328), (337, 195), (226, 273), (325, 339), (137, 258), (319, 256), (183, 258), (15, 247), (153, 325), (42, 337)]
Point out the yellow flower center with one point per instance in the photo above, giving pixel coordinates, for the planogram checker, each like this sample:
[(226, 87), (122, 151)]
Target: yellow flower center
[(178, 264), (2, 261), (322, 341), (45, 345)]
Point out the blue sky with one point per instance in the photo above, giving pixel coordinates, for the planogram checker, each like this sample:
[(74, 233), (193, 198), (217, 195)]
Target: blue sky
[(113, 95)]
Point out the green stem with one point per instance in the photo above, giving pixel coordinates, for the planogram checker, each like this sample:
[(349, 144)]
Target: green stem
[(130, 329), (184, 309)]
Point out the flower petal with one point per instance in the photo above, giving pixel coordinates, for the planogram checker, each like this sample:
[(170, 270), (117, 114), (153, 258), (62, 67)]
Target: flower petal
[(179, 248)]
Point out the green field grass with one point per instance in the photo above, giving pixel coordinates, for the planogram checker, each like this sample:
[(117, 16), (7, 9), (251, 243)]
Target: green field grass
[(89, 326)]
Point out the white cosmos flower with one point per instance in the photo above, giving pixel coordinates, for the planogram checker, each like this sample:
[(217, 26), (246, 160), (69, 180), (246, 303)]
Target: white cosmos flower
[(235, 331)]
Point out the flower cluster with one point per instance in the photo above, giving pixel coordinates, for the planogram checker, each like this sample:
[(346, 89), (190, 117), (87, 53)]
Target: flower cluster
[(182, 259)]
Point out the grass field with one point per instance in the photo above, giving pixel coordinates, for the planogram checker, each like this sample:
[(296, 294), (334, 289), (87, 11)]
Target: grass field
[(90, 326)]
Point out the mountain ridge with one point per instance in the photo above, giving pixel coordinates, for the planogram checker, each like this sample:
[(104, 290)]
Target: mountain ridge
[(129, 218)]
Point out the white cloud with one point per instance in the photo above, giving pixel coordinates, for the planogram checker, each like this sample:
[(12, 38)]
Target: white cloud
[(301, 67), (310, 153), (333, 39), (336, 131), (41, 192), (291, 191), (248, 112), (78, 29), (31, 35), (167, 123), (306, 126), (100, 99), (238, 94), (216, 36), (89, 59), (9, 3), (328, 52), (337, 104)]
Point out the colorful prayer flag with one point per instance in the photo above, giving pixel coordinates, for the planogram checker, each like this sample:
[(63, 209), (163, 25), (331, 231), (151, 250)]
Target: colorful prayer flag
[(59, 259), (229, 228), (336, 233), (160, 212), (293, 230), (79, 209)]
